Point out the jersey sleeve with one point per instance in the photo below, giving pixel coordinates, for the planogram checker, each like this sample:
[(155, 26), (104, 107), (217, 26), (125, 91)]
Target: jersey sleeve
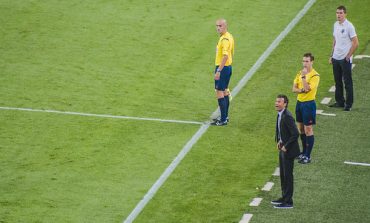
[(296, 79), (225, 44), (351, 31), (314, 81)]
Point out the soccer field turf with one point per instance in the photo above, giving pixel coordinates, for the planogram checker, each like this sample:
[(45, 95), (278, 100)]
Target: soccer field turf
[(142, 59)]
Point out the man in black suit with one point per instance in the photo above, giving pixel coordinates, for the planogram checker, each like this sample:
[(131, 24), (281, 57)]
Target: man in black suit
[(287, 143)]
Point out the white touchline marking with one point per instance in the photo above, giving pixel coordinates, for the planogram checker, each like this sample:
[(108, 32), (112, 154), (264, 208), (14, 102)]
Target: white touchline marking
[(246, 218), (277, 172), (327, 114), (332, 89), (256, 202), (101, 115), (148, 196), (321, 112), (268, 186), (325, 101), (358, 164), (361, 56)]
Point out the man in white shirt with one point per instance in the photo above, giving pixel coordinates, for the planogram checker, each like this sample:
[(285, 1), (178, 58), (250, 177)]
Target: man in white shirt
[(345, 43)]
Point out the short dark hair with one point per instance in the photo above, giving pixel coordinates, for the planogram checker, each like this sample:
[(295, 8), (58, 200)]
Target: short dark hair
[(342, 7), (312, 58), (286, 100)]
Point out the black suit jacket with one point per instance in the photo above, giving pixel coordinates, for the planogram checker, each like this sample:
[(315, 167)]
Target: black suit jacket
[(289, 134)]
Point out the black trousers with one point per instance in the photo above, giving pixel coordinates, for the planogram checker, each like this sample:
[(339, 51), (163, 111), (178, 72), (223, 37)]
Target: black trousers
[(342, 70), (286, 177)]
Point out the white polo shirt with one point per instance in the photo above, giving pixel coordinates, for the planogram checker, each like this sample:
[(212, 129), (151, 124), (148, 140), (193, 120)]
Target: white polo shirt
[(343, 33)]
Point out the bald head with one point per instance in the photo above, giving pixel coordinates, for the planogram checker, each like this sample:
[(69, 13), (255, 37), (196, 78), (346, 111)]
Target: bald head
[(221, 26)]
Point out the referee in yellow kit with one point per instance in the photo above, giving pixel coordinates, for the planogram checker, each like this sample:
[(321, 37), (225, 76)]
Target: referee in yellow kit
[(223, 70), (305, 86)]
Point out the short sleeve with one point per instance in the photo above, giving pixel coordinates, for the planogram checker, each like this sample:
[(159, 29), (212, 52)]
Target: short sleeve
[(351, 31), (225, 43)]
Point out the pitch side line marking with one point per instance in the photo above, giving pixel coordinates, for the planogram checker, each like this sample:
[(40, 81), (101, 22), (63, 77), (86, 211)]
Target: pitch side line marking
[(246, 218), (325, 100), (255, 202), (101, 115), (332, 89), (357, 164), (268, 51), (148, 196), (268, 186), (361, 56)]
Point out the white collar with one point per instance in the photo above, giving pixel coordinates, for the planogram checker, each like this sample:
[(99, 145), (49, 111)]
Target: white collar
[(281, 112)]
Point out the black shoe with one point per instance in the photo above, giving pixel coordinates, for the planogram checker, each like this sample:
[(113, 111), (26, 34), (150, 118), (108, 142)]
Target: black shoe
[(219, 123), (219, 119), (284, 206), (336, 105), (300, 156), (278, 201), (305, 160), (347, 108)]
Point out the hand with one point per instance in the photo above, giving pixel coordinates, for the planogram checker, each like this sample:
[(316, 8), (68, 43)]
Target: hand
[(217, 76), (279, 145), (283, 149), (330, 60), (304, 72), (348, 59)]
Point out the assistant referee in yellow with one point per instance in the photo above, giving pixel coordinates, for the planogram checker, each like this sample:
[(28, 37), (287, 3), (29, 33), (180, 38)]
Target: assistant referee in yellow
[(305, 86), (223, 70)]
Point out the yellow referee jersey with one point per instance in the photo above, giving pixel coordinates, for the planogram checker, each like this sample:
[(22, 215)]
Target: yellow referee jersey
[(313, 79), (225, 46)]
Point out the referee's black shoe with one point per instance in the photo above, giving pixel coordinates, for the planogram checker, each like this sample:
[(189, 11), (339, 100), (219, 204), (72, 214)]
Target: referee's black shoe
[(219, 123), (219, 119)]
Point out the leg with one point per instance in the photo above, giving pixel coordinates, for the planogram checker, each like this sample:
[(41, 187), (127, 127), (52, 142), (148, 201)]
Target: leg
[(348, 84), (227, 101), (310, 140), (288, 193), (282, 173), (303, 137), (338, 75), (222, 104)]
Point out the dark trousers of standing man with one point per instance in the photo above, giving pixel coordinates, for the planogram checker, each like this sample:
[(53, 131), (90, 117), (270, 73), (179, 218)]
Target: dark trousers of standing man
[(286, 177), (342, 70)]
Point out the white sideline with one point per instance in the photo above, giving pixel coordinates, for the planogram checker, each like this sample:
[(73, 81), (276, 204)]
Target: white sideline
[(358, 164), (101, 115), (246, 218), (268, 186), (255, 202), (321, 112), (148, 196), (277, 172), (325, 101), (361, 56), (332, 89)]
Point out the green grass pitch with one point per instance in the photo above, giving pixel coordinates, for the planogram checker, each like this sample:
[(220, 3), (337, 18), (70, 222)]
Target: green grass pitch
[(155, 59)]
